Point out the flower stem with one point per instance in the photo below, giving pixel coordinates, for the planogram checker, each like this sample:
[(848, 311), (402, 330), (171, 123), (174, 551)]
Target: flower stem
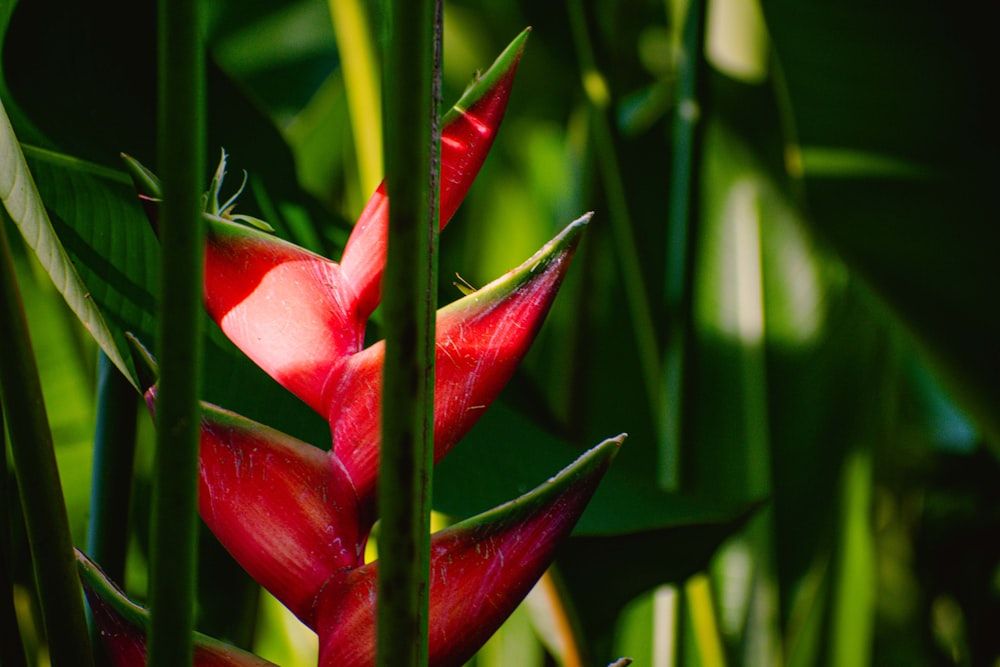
[(411, 87), (173, 536)]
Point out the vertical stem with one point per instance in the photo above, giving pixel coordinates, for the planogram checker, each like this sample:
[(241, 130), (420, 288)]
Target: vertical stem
[(114, 453), (622, 225), (111, 488), (181, 147), (683, 202), (59, 590), (411, 90)]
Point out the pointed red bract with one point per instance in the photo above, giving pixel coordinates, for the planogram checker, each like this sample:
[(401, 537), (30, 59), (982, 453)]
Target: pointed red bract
[(285, 307), (480, 571), (466, 138), (285, 510), (123, 627), (481, 338)]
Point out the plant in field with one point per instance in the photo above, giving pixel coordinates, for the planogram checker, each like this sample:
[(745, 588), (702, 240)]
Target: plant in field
[(297, 517)]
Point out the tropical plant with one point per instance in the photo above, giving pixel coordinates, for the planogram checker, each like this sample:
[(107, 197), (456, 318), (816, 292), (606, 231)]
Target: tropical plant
[(783, 296)]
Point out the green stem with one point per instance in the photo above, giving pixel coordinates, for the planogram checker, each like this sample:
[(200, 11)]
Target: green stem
[(181, 141), (114, 453), (59, 592), (411, 87), (599, 98), (680, 221), (11, 648)]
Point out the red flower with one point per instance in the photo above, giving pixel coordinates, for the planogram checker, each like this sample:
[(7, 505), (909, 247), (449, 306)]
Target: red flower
[(296, 517)]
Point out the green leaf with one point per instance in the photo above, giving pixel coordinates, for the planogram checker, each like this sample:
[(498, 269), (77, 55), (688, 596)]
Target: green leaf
[(24, 204), (896, 150)]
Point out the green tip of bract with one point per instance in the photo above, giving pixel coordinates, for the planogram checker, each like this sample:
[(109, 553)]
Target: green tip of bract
[(97, 582), (144, 362), (484, 82), (591, 464), (561, 247)]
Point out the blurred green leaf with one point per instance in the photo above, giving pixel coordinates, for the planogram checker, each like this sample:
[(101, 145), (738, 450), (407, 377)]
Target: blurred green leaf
[(895, 140)]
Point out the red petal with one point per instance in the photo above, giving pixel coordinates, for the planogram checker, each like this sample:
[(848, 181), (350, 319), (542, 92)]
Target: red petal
[(466, 138), (481, 569), (286, 308), (285, 510), (123, 626), (480, 340)]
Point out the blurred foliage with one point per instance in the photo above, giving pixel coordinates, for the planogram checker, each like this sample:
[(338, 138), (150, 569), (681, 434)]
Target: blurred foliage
[(842, 326)]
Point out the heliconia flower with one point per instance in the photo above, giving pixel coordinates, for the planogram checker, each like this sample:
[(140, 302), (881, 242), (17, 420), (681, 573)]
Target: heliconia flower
[(480, 570), (296, 517), (292, 514), (302, 317), (123, 627)]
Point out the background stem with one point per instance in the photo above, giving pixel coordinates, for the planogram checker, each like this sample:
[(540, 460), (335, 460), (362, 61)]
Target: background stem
[(685, 150), (111, 490)]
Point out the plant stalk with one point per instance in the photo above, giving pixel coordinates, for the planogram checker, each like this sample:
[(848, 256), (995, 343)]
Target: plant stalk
[(683, 201), (181, 76), (411, 90), (111, 480)]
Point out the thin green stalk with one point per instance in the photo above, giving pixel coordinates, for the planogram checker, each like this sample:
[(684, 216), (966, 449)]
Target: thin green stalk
[(11, 648), (686, 148), (364, 100), (599, 98), (411, 88), (59, 592), (181, 141), (114, 453), (111, 488)]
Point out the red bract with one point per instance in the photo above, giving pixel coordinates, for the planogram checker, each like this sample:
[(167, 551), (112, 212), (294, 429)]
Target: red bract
[(284, 509), (480, 340), (123, 626), (466, 137), (481, 568)]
